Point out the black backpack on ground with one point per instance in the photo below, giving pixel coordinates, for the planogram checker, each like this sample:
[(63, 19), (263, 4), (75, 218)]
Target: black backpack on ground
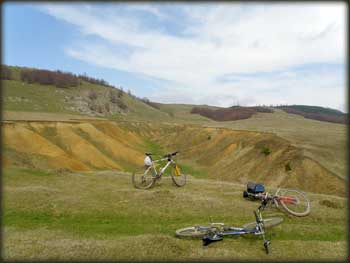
[(253, 189)]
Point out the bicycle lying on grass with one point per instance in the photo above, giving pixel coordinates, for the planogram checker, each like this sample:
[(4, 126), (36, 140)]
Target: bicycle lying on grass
[(147, 177), (293, 201), (216, 231)]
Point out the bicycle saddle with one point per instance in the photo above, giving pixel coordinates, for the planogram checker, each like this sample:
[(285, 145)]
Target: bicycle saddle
[(170, 154)]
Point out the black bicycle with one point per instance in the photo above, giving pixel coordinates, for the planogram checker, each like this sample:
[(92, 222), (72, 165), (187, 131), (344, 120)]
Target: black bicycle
[(216, 231)]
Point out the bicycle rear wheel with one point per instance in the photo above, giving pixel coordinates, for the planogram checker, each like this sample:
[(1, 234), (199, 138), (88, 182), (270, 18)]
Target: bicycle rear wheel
[(178, 176), (193, 232), (268, 223), (294, 202), (144, 178)]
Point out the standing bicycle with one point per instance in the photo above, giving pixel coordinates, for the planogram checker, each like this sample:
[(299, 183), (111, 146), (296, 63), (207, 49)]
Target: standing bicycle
[(148, 175), (293, 201)]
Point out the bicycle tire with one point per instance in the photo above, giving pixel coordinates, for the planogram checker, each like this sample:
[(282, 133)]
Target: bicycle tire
[(301, 208), (193, 231), (268, 223), (143, 179), (178, 176)]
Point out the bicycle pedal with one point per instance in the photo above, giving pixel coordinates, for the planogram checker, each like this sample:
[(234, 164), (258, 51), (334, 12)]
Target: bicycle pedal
[(207, 240)]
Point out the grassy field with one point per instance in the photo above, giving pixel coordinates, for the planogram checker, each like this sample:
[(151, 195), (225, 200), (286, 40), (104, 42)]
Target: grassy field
[(100, 216)]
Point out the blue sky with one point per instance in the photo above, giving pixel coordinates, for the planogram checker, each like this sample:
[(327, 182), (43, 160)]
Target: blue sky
[(216, 54)]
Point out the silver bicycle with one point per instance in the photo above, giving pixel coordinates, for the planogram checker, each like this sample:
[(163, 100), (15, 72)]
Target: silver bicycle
[(150, 173)]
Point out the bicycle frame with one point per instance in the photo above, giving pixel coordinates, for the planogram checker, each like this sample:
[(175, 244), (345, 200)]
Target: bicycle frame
[(162, 170), (217, 235), (285, 199), (236, 231)]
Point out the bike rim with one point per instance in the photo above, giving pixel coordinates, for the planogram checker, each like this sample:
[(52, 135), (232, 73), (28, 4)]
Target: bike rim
[(143, 180), (268, 223), (178, 176), (294, 202), (192, 232)]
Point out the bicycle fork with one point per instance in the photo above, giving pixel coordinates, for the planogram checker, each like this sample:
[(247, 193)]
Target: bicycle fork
[(261, 228)]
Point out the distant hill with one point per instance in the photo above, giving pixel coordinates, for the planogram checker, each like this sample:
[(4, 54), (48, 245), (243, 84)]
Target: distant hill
[(317, 113), (37, 90), (229, 114), (41, 90)]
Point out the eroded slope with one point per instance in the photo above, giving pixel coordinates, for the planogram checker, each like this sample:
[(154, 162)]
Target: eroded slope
[(217, 153)]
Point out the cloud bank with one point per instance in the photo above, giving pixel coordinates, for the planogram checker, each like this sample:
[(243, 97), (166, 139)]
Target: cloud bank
[(218, 54)]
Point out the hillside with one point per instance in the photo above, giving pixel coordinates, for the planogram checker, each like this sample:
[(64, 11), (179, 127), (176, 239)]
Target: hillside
[(229, 114), (221, 154), (26, 89), (88, 98), (317, 113)]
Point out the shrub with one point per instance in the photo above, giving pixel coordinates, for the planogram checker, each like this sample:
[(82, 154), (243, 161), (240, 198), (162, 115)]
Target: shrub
[(288, 167), (94, 80), (46, 77), (266, 150)]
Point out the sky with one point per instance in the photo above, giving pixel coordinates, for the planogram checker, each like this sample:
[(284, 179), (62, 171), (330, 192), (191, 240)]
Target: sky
[(219, 54)]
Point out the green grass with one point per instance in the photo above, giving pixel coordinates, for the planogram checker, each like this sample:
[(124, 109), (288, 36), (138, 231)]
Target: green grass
[(63, 216), (18, 171), (192, 169), (33, 97)]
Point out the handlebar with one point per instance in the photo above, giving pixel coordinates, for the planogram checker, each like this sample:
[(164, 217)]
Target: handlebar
[(169, 155), (264, 197)]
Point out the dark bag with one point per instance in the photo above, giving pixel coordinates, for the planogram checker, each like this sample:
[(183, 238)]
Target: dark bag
[(255, 188)]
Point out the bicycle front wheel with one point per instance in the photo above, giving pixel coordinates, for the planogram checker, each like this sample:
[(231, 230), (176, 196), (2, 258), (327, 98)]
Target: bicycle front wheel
[(178, 176), (144, 178), (268, 223), (294, 202), (193, 232)]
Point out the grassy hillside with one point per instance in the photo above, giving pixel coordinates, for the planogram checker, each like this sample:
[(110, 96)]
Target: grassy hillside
[(86, 99), (317, 113), (230, 114), (93, 97), (97, 216), (313, 109), (324, 142)]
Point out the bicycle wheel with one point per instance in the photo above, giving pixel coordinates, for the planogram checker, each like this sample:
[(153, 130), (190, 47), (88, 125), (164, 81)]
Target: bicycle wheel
[(268, 223), (193, 232), (178, 176), (294, 202), (144, 178)]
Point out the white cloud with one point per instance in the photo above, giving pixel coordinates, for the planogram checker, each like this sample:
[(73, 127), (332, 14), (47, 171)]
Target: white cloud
[(207, 41)]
